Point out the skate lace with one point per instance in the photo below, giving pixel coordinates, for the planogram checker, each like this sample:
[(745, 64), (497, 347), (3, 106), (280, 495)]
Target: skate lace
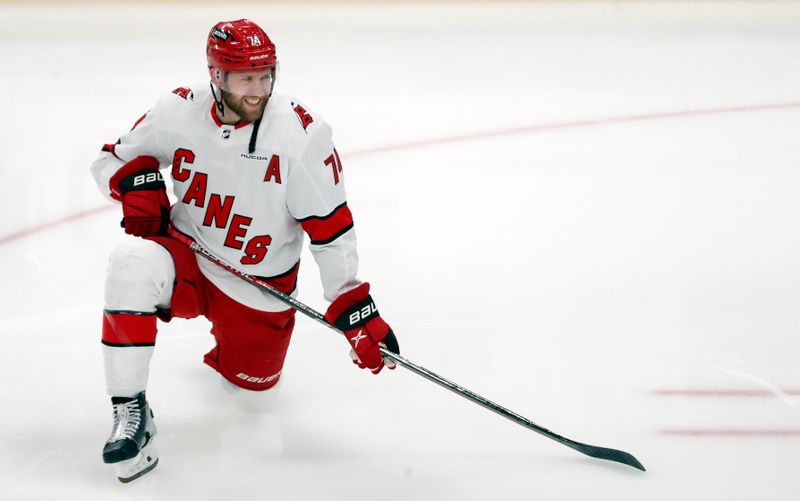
[(127, 419)]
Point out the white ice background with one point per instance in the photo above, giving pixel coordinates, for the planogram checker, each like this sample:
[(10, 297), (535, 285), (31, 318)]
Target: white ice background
[(621, 221)]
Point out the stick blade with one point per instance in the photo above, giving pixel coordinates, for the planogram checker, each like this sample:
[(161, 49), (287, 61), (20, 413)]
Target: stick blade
[(610, 455)]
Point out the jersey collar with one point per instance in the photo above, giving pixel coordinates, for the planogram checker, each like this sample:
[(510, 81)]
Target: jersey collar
[(220, 124)]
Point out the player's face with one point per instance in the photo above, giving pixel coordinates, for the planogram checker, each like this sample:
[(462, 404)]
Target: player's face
[(247, 92)]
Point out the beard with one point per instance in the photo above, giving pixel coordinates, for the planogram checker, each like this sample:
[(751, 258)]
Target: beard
[(247, 112)]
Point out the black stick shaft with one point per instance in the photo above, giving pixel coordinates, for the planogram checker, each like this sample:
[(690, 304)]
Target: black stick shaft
[(589, 450)]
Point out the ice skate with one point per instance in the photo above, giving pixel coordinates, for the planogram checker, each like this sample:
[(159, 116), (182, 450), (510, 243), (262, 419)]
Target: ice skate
[(130, 445), (146, 460)]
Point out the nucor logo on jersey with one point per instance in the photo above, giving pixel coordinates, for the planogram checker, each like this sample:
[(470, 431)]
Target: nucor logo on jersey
[(150, 177), (253, 379), (363, 313), (254, 157)]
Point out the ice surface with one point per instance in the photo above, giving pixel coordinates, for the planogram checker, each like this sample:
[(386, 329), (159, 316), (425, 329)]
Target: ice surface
[(569, 260)]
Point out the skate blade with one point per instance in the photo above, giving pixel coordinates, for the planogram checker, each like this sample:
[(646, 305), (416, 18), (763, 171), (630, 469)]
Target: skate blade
[(134, 477), (130, 470)]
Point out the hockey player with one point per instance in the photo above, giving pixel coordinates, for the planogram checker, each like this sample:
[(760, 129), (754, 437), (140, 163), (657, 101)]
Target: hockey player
[(252, 173)]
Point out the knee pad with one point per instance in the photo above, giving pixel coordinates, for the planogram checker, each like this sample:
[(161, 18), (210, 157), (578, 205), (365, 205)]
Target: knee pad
[(140, 276)]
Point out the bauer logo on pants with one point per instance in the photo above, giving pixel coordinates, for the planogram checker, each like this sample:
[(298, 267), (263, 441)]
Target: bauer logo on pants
[(254, 379)]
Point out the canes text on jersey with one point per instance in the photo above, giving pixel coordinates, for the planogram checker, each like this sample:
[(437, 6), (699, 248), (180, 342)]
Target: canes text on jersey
[(218, 209)]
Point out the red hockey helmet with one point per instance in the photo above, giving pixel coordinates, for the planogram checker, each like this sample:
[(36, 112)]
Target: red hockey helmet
[(240, 45)]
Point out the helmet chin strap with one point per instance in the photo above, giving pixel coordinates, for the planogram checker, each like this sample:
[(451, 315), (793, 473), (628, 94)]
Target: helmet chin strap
[(220, 105)]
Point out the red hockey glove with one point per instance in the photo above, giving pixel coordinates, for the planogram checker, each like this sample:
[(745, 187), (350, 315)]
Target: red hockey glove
[(141, 189), (354, 313)]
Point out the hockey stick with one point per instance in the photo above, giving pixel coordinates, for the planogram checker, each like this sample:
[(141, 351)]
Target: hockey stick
[(589, 450)]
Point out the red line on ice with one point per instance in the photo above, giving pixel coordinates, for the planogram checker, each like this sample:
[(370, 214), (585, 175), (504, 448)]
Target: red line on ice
[(710, 393), (575, 124), (731, 432), (459, 138), (50, 224)]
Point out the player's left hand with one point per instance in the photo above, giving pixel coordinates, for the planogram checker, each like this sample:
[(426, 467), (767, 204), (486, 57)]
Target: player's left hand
[(355, 314)]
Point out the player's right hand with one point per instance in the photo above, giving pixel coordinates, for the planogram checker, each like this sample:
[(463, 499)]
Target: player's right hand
[(145, 206)]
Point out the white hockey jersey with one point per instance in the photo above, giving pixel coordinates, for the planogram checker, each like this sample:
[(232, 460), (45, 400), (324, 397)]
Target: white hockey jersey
[(250, 209)]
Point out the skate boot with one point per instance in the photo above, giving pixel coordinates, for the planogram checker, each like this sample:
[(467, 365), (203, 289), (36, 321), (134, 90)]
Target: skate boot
[(130, 446)]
